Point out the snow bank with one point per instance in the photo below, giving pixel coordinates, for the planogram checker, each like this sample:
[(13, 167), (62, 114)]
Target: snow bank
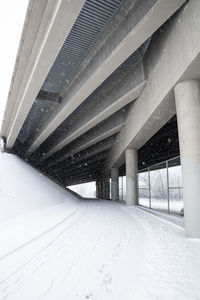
[(23, 189)]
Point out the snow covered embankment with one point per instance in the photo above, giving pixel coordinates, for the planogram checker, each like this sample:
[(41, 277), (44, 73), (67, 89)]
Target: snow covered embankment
[(23, 189), (31, 204)]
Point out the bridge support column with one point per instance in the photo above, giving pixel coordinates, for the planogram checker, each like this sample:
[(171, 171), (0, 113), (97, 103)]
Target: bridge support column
[(106, 188), (114, 184), (187, 97), (99, 189), (103, 188), (131, 177)]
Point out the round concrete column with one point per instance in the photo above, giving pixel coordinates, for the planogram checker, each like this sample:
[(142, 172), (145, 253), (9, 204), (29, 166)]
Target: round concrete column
[(103, 188), (106, 188), (131, 177), (115, 184), (187, 97), (97, 189)]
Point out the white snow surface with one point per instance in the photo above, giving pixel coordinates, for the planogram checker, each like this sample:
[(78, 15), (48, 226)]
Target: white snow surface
[(93, 249), (23, 189)]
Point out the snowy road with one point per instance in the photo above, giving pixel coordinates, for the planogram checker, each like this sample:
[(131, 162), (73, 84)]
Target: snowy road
[(97, 250)]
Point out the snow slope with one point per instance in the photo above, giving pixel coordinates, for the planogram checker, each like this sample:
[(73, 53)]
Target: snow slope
[(23, 189), (95, 249)]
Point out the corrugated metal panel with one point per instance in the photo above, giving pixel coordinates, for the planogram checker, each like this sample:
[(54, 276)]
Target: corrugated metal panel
[(93, 18)]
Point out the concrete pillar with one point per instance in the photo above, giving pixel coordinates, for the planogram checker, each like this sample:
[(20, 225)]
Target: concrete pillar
[(114, 184), (99, 189), (2, 144), (187, 98), (103, 188), (131, 177), (106, 188)]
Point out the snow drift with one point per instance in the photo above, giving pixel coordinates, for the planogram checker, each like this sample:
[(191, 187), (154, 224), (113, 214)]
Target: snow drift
[(23, 189)]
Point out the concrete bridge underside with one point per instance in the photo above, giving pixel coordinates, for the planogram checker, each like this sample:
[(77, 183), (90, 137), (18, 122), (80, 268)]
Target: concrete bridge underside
[(104, 88)]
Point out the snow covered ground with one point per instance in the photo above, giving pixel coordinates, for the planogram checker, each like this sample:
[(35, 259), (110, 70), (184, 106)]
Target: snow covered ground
[(98, 250), (53, 245)]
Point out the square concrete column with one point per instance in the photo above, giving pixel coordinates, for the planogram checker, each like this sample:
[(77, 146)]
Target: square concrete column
[(115, 184), (131, 177), (187, 98)]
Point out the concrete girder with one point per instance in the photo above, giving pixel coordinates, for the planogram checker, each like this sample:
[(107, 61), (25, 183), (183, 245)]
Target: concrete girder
[(141, 22), (80, 181), (119, 95), (102, 131), (89, 170), (79, 178), (125, 7), (57, 21), (71, 162), (83, 163), (95, 149), (32, 30), (75, 178), (172, 57)]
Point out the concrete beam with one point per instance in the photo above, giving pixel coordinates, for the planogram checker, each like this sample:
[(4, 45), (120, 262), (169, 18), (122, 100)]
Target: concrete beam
[(125, 7), (104, 130), (67, 168), (50, 96), (57, 21), (105, 103), (172, 57), (141, 22), (26, 53), (94, 168), (93, 150), (79, 181)]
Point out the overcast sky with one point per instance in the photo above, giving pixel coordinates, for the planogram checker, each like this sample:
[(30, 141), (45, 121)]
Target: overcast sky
[(12, 15)]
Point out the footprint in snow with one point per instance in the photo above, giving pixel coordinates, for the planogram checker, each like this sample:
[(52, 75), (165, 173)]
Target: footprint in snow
[(89, 296), (107, 283)]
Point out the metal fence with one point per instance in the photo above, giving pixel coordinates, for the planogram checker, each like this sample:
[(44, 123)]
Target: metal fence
[(160, 187)]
